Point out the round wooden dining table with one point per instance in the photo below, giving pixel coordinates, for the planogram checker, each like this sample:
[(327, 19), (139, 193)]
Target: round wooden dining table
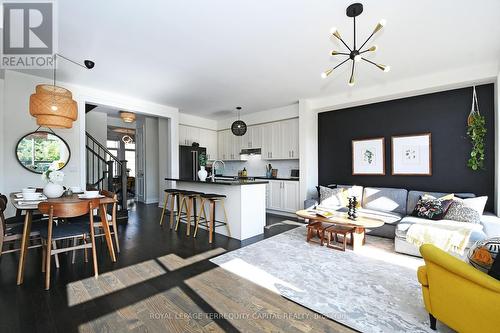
[(29, 208)]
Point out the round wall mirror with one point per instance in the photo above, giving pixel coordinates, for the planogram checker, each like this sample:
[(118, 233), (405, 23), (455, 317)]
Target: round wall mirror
[(38, 151)]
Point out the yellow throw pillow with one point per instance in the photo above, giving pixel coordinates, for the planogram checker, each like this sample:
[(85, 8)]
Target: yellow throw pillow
[(450, 196)]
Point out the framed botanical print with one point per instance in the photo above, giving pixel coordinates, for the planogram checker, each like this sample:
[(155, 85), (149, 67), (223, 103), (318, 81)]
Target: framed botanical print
[(411, 155), (368, 157)]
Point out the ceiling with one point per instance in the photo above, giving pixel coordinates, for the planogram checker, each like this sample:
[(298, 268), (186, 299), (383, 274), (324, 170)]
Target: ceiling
[(206, 57)]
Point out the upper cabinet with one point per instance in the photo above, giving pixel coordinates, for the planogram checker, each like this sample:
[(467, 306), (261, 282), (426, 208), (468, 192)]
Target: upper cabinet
[(229, 146), (208, 139), (205, 137), (271, 141), (278, 140), (290, 138), (188, 135)]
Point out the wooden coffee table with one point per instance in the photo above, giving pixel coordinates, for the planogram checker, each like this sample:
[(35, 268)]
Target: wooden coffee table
[(359, 225)]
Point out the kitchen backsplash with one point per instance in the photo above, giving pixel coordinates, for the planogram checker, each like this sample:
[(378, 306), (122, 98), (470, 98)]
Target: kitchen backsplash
[(257, 168)]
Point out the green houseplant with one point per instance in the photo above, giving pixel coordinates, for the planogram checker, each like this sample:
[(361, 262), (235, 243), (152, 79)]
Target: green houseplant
[(476, 130)]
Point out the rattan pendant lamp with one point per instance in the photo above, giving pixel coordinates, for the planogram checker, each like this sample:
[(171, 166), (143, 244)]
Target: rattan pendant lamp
[(53, 106)]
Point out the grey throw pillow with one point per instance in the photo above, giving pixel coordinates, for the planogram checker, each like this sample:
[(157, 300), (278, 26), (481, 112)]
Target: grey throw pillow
[(459, 212), (331, 197)]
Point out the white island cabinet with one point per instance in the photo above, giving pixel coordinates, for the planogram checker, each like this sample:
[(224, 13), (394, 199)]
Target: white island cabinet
[(245, 204)]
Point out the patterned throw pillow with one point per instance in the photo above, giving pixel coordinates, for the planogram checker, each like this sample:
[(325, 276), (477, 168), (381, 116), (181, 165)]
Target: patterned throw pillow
[(332, 197), (431, 208), (459, 212)]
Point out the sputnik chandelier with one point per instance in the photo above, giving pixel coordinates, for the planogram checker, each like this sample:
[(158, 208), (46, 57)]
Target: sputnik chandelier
[(355, 54)]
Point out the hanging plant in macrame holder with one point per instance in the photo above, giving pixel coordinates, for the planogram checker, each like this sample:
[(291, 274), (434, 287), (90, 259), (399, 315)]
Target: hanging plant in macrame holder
[(476, 130)]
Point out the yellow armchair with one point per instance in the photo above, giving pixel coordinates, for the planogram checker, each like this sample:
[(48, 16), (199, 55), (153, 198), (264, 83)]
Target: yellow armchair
[(457, 294)]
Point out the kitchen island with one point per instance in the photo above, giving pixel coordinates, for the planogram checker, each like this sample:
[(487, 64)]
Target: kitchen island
[(245, 203)]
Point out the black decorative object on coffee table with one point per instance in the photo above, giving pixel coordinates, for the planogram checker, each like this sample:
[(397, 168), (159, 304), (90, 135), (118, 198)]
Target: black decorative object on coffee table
[(353, 203)]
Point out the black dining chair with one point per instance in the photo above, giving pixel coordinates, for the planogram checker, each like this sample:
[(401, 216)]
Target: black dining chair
[(11, 233)]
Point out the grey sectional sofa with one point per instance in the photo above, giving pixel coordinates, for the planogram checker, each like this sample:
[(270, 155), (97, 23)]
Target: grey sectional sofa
[(395, 205)]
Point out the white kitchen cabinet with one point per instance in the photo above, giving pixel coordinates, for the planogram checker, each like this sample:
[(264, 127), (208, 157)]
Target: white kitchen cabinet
[(278, 140), (271, 141), (222, 145), (290, 196), (208, 139), (275, 194), (256, 141), (290, 139), (188, 135), (182, 135), (236, 147), (252, 138), (283, 195), (229, 146), (246, 140)]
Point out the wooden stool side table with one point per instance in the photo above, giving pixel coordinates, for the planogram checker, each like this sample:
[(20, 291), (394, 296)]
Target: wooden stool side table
[(332, 234), (317, 228)]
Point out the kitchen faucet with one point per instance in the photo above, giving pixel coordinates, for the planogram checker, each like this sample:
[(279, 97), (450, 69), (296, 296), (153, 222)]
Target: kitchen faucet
[(213, 168)]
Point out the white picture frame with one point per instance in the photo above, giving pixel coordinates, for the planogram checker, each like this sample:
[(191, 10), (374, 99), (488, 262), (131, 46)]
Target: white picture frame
[(412, 155), (368, 157)]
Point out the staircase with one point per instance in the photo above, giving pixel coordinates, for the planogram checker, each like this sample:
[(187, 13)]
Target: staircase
[(106, 172)]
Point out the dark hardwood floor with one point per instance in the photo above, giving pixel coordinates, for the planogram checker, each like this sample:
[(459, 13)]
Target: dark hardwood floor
[(158, 272)]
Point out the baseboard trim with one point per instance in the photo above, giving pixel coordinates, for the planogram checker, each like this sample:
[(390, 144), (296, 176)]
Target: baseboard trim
[(281, 213)]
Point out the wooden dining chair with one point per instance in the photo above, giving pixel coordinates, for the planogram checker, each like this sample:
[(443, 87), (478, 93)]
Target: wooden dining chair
[(66, 210), (111, 220), (11, 234)]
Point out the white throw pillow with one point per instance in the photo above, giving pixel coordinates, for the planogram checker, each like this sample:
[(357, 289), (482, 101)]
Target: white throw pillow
[(477, 204)]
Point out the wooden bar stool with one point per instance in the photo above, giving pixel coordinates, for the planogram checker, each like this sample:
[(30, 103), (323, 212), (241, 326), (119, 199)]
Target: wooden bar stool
[(187, 208), (172, 194), (211, 223)]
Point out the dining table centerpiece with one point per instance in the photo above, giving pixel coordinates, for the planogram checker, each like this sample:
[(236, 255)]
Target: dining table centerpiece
[(53, 188)]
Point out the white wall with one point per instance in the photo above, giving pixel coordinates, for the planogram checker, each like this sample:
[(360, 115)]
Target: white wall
[(17, 122), (195, 121), (151, 174), (285, 112), (96, 124), (308, 150), (2, 167), (163, 152)]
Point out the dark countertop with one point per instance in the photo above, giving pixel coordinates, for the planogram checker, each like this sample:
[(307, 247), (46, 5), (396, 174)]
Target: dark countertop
[(221, 181), (264, 177), (279, 178)]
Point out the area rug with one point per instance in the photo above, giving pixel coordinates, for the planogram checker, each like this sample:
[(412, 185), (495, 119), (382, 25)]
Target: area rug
[(371, 290)]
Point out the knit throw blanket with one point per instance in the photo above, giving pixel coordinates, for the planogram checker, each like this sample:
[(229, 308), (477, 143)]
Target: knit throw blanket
[(449, 237)]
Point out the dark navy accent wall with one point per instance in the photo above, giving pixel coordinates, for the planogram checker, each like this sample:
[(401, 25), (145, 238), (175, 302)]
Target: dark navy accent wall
[(444, 114)]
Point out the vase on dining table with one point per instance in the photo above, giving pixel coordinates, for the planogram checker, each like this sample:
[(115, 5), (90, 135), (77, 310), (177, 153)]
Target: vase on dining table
[(52, 189)]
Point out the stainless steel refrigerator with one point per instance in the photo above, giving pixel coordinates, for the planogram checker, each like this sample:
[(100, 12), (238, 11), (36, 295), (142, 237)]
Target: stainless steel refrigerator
[(189, 162)]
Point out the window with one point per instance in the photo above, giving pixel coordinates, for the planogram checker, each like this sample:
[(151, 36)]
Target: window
[(130, 146), (117, 148), (113, 147), (130, 157)]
